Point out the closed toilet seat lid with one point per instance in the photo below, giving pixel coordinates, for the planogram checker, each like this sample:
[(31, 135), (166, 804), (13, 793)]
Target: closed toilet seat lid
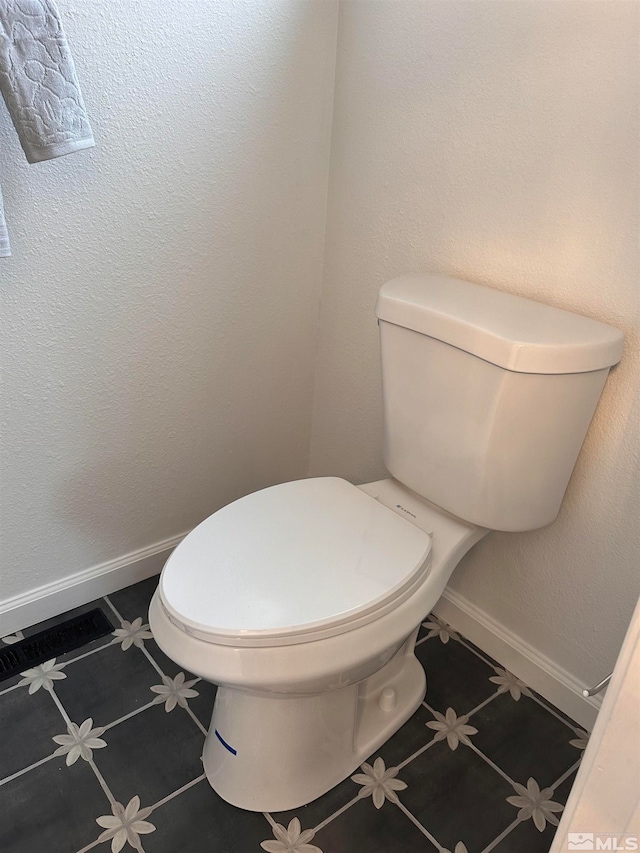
[(292, 563)]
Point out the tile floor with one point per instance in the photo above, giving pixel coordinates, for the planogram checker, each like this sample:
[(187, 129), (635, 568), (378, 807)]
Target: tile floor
[(101, 750)]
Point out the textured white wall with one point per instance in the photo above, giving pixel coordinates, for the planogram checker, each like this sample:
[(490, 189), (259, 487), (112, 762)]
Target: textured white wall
[(495, 141), (160, 310)]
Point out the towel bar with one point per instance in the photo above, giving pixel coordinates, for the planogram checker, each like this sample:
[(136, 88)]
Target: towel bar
[(599, 686)]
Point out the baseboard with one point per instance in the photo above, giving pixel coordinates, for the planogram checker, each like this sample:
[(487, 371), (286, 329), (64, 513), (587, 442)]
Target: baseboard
[(49, 600), (545, 677)]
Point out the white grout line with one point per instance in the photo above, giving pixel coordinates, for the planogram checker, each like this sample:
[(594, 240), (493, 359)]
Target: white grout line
[(482, 704), (554, 713), (91, 652), (502, 835), (102, 781), (9, 689), (566, 774), (26, 769), (133, 713), (335, 814), (490, 763), (112, 606), (417, 823), (478, 654), (430, 709), (152, 661), (271, 821), (196, 720), (89, 846), (177, 792), (59, 706), (418, 752)]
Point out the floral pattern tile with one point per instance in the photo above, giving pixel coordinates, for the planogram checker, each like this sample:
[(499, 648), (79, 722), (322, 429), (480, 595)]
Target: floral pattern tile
[(107, 741), (125, 824)]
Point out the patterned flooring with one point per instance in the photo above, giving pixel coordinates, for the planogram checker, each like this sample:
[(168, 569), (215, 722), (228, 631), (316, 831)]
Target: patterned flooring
[(101, 750)]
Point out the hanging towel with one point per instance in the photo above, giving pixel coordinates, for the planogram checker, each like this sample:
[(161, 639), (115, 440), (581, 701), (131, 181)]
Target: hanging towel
[(39, 85)]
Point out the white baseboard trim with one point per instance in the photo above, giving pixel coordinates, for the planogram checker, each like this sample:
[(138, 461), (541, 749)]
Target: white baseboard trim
[(49, 600), (545, 677)]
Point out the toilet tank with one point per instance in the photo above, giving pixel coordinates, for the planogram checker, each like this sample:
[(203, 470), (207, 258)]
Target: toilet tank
[(487, 396)]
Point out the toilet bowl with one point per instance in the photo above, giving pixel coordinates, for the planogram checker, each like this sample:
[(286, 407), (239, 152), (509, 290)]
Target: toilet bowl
[(303, 601), (329, 589)]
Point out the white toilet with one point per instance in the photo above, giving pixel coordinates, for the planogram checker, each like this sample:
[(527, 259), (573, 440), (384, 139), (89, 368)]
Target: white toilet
[(303, 601)]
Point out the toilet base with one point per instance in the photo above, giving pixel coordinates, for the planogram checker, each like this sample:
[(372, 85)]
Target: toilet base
[(274, 752)]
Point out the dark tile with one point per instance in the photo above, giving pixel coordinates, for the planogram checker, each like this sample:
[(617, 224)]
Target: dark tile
[(134, 600), (107, 685), (198, 821), (202, 704), (526, 838), (52, 808), (28, 722), (151, 754), (323, 807), (524, 740), (568, 720), (9, 682), (480, 652), (562, 791), (407, 740), (456, 677), (364, 829), (457, 796)]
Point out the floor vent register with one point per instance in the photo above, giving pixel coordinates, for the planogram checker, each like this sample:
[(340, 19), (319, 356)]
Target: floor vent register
[(53, 642)]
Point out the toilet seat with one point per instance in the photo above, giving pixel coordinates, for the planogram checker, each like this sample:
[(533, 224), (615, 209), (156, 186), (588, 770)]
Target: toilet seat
[(293, 563)]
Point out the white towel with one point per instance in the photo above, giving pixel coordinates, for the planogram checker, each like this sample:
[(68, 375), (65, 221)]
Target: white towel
[(39, 84)]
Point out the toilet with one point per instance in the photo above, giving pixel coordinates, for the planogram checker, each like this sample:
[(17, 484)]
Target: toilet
[(303, 601)]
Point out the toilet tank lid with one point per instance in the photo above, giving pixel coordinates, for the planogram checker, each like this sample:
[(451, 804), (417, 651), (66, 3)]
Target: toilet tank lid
[(509, 331)]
